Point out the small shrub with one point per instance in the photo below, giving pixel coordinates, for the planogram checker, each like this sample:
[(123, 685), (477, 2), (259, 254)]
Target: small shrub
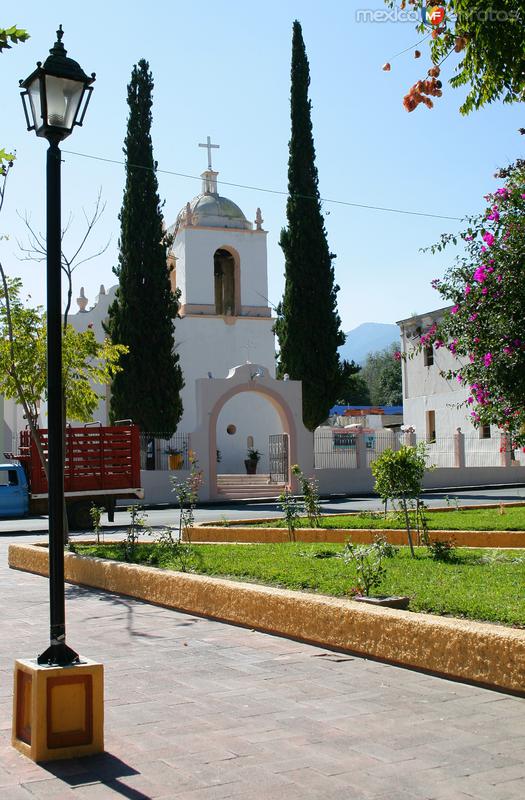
[(387, 549), (442, 550), (171, 548), (95, 512), (187, 493), (368, 562), (310, 492), (291, 508), (137, 526)]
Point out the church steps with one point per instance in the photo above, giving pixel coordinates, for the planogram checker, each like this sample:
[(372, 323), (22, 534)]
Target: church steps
[(247, 487)]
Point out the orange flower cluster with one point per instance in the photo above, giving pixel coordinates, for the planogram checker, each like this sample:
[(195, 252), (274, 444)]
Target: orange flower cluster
[(422, 91)]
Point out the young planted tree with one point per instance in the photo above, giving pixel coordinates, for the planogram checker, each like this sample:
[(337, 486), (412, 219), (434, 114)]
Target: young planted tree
[(23, 367), (398, 475), (147, 390), (308, 325)]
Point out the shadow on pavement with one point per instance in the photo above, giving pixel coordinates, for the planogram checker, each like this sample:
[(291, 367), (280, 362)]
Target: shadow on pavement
[(103, 769)]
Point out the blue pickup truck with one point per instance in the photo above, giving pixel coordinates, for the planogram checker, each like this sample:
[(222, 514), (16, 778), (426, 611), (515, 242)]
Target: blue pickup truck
[(14, 490)]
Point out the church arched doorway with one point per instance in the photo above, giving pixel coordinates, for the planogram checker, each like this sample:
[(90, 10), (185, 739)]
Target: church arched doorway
[(246, 422), (226, 282)]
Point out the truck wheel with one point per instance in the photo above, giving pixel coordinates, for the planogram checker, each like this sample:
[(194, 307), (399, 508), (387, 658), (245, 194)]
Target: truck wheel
[(79, 516)]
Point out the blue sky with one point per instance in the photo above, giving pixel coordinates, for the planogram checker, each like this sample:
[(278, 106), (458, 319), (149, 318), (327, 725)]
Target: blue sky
[(223, 69)]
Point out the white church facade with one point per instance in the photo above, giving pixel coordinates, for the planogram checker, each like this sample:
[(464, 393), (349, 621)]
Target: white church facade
[(218, 261)]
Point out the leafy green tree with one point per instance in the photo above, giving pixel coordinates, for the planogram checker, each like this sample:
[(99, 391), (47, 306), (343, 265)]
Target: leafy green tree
[(484, 326), (383, 376), (398, 476), (147, 390), (355, 390), (489, 39), (308, 325), (23, 360)]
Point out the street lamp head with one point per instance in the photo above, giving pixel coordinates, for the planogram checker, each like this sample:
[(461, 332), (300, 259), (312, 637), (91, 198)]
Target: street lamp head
[(56, 95)]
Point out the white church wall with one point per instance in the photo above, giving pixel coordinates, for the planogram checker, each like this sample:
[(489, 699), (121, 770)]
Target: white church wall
[(196, 246), (251, 415), (213, 344)]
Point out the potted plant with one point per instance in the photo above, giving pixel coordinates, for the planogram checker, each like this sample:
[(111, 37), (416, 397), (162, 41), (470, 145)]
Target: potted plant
[(175, 458), (251, 462)]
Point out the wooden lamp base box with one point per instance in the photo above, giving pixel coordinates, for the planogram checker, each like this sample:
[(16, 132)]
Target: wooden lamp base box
[(58, 712)]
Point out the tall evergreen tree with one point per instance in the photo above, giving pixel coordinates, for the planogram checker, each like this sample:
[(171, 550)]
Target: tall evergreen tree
[(148, 388), (308, 325)]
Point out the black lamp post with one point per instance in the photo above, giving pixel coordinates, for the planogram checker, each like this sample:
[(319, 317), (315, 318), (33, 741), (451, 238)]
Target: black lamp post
[(57, 95)]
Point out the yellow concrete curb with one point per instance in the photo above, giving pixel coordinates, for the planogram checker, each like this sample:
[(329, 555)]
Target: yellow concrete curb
[(249, 535), (492, 655)]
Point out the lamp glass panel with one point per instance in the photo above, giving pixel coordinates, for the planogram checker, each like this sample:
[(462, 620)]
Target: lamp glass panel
[(34, 91), (63, 101)]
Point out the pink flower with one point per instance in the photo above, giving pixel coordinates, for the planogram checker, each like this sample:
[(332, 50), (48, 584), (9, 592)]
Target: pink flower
[(470, 400), (454, 310), (487, 359), (469, 238), (468, 289), (397, 355), (484, 290), (438, 343), (494, 214), (479, 274), (507, 350), (504, 192), (473, 317), (488, 238), (459, 378), (499, 278)]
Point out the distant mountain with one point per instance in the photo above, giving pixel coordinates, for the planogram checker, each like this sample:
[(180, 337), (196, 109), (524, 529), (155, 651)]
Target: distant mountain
[(368, 338)]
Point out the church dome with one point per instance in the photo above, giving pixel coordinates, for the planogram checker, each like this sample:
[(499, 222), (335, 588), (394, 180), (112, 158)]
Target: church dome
[(210, 210)]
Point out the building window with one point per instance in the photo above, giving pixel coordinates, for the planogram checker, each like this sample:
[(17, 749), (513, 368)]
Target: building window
[(231, 429), (431, 426), (428, 355), (484, 432)]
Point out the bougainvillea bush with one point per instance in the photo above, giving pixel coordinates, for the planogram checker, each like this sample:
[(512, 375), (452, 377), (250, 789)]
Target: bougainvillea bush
[(485, 327)]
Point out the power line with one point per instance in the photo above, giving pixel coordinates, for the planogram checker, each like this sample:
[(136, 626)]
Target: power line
[(268, 191)]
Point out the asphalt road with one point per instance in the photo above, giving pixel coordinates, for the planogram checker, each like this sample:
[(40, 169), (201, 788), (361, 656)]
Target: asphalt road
[(164, 516)]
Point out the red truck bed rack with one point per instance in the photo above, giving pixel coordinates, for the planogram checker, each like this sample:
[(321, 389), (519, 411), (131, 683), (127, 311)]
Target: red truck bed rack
[(96, 458)]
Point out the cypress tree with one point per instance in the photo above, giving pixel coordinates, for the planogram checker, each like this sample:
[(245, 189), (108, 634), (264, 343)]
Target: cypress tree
[(308, 325), (141, 317)]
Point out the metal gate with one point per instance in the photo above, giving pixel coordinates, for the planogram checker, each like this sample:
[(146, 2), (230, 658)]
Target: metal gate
[(278, 452)]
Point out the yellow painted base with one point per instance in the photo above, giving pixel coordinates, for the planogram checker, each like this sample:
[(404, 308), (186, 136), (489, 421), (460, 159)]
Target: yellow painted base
[(58, 712), (251, 535)]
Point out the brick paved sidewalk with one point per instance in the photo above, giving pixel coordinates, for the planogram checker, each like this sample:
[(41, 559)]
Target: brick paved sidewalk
[(200, 710)]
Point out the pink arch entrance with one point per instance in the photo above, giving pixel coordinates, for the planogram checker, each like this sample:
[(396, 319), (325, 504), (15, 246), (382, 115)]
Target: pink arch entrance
[(278, 403)]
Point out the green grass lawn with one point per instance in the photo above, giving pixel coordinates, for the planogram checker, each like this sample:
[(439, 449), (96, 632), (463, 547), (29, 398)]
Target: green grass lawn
[(488, 519), (479, 584)]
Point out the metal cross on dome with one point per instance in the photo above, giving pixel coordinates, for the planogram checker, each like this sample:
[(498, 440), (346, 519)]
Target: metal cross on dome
[(209, 146)]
